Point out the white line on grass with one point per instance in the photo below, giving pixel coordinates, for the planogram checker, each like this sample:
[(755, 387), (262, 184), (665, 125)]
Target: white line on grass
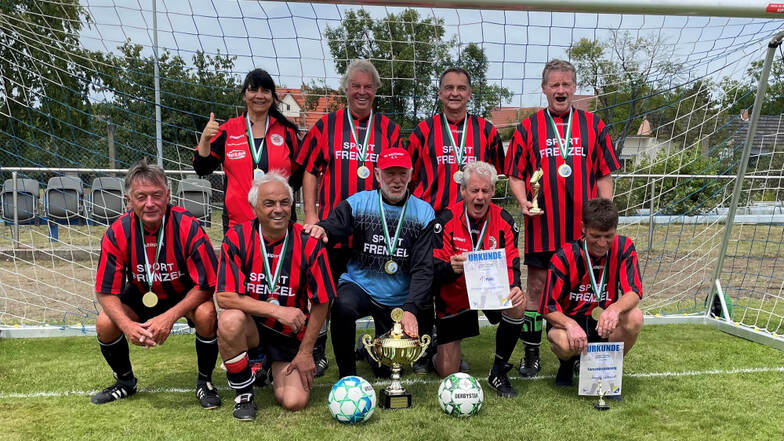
[(416, 381)]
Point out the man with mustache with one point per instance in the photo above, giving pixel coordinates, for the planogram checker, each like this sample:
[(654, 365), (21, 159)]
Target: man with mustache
[(574, 151), (391, 262), (274, 285)]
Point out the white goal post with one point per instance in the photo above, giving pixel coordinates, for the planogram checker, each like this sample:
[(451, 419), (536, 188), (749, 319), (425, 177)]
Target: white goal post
[(700, 189)]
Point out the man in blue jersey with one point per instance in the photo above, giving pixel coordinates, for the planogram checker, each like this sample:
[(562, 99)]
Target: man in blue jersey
[(391, 263)]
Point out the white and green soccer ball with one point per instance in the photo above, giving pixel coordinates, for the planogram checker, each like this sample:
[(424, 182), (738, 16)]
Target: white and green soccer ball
[(460, 395), (352, 400)]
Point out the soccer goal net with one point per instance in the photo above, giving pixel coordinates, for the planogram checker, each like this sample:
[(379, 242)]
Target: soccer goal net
[(89, 87)]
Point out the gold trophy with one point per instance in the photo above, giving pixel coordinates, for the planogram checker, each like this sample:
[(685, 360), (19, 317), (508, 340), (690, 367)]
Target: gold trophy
[(395, 349), (536, 186), (601, 404)]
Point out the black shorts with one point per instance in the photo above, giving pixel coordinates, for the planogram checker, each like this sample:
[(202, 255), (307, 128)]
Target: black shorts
[(538, 260), (589, 326), (276, 346), (133, 298), (462, 325)]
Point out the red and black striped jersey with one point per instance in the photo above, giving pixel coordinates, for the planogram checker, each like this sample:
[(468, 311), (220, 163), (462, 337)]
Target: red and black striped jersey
[(329, 150), (186, 258), (230, 148), (568, 287), (590, 155), (304, 276), (451, 239), (435, 162)]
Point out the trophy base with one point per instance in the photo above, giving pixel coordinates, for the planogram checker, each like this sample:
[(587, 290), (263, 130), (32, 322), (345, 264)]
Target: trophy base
[(601, 405), (395, 401)]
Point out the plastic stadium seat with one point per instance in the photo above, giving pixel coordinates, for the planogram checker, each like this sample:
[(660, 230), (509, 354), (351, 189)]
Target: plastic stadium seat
[(28, 192), (107, 200), (194, 195), (64, 199)]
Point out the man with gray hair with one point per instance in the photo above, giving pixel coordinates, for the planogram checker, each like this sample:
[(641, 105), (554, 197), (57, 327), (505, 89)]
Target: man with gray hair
[(269, 273), (339, 156), (156, 266), (573, 150), (470, 225)]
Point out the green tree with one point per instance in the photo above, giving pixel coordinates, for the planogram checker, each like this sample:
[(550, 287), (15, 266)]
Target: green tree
[(43, 84), (629, 76), (739, 94), (188, 94), (673, 195), (410, 52)]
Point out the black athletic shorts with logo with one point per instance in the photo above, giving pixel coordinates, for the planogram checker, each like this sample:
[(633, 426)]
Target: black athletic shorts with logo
[(462, 325), (276, 346), (538, 260), (589, 326)]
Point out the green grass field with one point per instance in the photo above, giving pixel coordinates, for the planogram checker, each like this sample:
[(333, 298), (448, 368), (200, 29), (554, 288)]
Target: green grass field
[(681, 382)]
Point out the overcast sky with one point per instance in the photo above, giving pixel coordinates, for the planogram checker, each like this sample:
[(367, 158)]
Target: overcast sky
[(286, 39)]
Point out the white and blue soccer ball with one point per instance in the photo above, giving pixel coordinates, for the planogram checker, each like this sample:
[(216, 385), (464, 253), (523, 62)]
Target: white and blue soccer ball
[(352, 400), (460, 395)]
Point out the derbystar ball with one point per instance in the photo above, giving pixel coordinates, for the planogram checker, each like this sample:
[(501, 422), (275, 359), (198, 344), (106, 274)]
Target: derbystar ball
[(352, 400), (460, 395)]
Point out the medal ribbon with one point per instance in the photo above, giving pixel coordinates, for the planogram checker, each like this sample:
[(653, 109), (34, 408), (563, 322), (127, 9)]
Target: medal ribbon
[(148, 269), (391, 245), (361, 148), (457, 151), (270, 279), (564, 149), (256, 154), (597, 288), (481, 234)]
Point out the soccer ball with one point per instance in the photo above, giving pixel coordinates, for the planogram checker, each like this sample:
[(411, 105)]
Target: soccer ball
[(352, 400), (460, 395)]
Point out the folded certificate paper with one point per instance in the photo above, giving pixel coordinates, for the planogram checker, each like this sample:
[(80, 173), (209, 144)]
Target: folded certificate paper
[(487, 280)]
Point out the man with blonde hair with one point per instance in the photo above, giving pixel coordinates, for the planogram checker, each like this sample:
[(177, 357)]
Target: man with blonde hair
[(573, 150), (339, 154)]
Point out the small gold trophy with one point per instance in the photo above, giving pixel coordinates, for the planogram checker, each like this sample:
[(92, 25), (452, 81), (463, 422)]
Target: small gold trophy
[(536, 186), (395, 349), (601, 404)]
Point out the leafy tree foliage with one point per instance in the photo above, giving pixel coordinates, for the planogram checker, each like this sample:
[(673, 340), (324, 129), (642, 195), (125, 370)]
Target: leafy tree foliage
[(410, 52)]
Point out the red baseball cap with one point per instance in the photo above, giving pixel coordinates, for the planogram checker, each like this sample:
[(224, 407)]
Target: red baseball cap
[(394, 157)]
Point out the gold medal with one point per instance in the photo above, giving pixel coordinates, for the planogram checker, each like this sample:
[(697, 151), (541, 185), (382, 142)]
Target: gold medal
[(391, 267), (363, 172), (257, 173), (458, 177), (597, 312), (564, 171), (150, 299)]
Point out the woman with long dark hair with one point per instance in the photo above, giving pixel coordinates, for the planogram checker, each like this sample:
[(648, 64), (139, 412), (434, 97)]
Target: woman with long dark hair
[(258, 141)]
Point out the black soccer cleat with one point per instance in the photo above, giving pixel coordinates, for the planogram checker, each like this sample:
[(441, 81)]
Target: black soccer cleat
[(499, 382), (464, 366), (244, 407), (117, 391), (207, 395), (262, 374), (530, 364), (321, 361)]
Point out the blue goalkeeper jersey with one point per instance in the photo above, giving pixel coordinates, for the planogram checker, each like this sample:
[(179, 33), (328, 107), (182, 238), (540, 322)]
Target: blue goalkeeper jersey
[(359, 216)]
